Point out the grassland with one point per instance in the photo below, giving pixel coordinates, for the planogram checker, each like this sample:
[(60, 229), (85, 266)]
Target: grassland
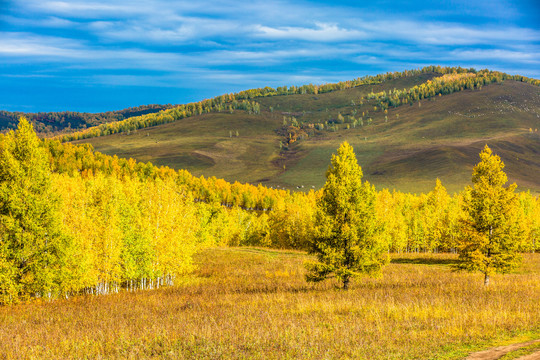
[(433, 138), (254, 303), (440, 138), (204, 145)]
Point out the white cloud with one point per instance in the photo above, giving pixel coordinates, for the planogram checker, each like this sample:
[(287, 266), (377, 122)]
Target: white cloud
[(447, 34), (497, 54), (81, 55), (163, 22), (322, 32), (76, 54), (81, 9), (45, 22), (176, 30), (153, 11), (272, 56), (24, 44), (26, 76)]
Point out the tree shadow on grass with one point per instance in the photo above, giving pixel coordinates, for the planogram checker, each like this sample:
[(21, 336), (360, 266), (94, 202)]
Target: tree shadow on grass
[(426, 261)]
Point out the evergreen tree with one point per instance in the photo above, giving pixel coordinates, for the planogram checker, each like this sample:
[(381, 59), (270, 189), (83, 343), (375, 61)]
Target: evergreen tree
[(491, 233), (346, 242), (30, 237)]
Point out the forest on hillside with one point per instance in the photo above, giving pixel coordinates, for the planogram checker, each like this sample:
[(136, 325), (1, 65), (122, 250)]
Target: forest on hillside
[(67, 121), (451, 79), (70, 126), (75, 221)]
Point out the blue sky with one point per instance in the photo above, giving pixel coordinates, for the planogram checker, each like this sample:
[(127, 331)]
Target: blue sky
[(109, 54)]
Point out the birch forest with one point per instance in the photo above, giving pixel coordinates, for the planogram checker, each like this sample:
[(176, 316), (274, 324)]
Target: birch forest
[(74, 221)]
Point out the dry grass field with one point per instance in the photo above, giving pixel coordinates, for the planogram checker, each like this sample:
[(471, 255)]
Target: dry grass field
[(250, 303)]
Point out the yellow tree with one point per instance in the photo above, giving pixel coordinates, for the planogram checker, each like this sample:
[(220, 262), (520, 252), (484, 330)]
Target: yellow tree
[(416, 226), (78, 271), (436, 216), (170, 217), (291, 222), (535, 230), (31, 241), (390, 215), (106, 232), (491, 231), (529, 215), (454, 221), (137, 250)]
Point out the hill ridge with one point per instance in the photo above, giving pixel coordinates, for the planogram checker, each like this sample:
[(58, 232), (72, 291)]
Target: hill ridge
[(106, 122), (432, 127)]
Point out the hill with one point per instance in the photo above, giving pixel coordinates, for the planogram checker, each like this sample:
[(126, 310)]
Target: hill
[(405, 147)]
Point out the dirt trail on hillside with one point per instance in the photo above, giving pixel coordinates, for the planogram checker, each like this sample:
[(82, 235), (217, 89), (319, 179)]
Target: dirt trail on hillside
[(499, 351)]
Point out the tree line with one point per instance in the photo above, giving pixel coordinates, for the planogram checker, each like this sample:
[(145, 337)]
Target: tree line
[(163, 117), (238, 101), (453, 80), (53, 122), (76, 221), (87, 125), (443, 85)]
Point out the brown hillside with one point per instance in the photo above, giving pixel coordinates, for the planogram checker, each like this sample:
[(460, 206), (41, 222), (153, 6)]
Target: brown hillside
[(440, 137)]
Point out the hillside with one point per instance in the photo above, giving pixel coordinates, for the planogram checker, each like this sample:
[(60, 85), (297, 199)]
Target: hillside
[(405, 148)]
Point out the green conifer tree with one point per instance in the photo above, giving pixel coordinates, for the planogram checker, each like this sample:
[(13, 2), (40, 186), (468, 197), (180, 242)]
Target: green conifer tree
[(491, 233), (347, 242)]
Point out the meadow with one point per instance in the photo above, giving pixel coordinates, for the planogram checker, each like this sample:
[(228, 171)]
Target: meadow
[(254, 303)]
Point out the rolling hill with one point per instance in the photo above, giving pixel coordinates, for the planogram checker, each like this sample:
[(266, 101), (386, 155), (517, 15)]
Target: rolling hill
[(405, 148)]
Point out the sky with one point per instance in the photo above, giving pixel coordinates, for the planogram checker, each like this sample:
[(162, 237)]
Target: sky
[(103, 55)]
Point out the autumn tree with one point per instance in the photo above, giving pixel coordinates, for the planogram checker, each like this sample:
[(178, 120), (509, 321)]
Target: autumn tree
[(389, 210), (30, 236), (291, 222), (436, 217), (346, 243), (491, 233)]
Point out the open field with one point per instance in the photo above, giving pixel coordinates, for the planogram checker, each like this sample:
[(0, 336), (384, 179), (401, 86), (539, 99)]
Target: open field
[(433, 138), (254, 303)]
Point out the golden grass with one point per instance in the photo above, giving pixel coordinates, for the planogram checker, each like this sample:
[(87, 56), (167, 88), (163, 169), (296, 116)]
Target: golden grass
[(254, 303)]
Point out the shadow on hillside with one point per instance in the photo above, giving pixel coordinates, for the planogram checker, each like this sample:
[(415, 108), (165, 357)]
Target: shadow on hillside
[(425, 261)]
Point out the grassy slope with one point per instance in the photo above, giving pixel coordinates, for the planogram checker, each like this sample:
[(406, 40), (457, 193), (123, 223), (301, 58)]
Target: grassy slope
[(441, 138), (254, 304), (202, 144), (438, 138)]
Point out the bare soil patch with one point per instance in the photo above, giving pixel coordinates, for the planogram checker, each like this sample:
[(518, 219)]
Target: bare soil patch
[(499, 351)]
